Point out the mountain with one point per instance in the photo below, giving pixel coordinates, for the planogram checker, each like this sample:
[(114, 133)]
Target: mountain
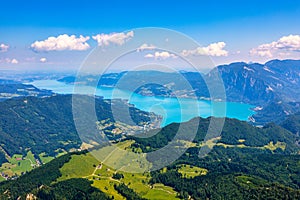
[(246, 163), (39, 182), (234, 133), (292, 123), (275, 111), (46, 125), (261, 83), (7, 81), (10, 89), (276, 82), (243, 162), (147, 83), (272, 87), (109, 79), (249, 83)]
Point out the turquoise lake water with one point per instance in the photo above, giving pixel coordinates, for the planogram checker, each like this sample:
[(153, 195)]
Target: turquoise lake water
[(172, 109)]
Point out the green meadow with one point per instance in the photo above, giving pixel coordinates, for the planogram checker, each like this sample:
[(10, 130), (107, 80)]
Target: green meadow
[(87, 166)]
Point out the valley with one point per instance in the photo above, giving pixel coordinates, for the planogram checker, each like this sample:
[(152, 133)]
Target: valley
[(242, 152), (273, 84), (150, 100), (38, 134)]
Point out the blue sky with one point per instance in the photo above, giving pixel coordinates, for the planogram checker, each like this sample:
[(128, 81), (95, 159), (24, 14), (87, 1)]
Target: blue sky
[(228, 31)]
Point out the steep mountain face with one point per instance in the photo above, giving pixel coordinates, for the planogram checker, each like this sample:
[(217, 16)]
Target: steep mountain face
[(275, 111), (272, 87), (261, 84)]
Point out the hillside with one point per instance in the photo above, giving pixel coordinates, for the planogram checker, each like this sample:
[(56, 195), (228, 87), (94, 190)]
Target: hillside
[(45, 125), (235, 133), (245, 163), (292, 123), (261, 83)]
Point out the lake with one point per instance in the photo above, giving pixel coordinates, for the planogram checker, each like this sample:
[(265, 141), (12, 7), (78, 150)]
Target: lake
[(172, 109)]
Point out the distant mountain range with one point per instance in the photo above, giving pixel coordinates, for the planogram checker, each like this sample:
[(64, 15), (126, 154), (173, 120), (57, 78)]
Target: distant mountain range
[(261, 83), (273, 87), (275, 83), (10, 89)]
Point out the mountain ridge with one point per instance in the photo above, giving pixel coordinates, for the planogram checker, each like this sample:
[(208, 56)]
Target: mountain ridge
[(257, 84)]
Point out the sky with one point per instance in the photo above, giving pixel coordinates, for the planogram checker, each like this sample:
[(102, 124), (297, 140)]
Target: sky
[(59, 35)]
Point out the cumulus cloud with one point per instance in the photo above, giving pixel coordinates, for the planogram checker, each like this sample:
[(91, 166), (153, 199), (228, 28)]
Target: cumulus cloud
[(9, 61), (160, 55), (149, 55), (43, 60), (4, 47), (62, 42), (285, 43), (113, 38), (214, 49), (262, 51), (14, 61), (145, 47)]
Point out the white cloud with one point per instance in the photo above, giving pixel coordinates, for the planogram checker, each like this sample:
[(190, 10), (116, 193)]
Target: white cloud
[(145, 47), (14, 61), (285, 43), (113, 38), (4, 47), (43, 60), (161, 55), (62, 42), (214, 49), (9, 61), (149, 55), (262, 51)]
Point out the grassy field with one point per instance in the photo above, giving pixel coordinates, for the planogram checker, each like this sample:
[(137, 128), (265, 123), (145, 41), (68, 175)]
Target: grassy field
[(103, 180), (211, 142), (189, 171), (86, 166), (18, 164), (2, 179), (271, 146), (277, 145), (161, 192), (44, 158), (121, 157), (136, 181), (107, 186), (79, 166)]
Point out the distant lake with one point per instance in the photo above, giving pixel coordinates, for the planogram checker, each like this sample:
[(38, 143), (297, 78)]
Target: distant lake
[(172, 109)]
